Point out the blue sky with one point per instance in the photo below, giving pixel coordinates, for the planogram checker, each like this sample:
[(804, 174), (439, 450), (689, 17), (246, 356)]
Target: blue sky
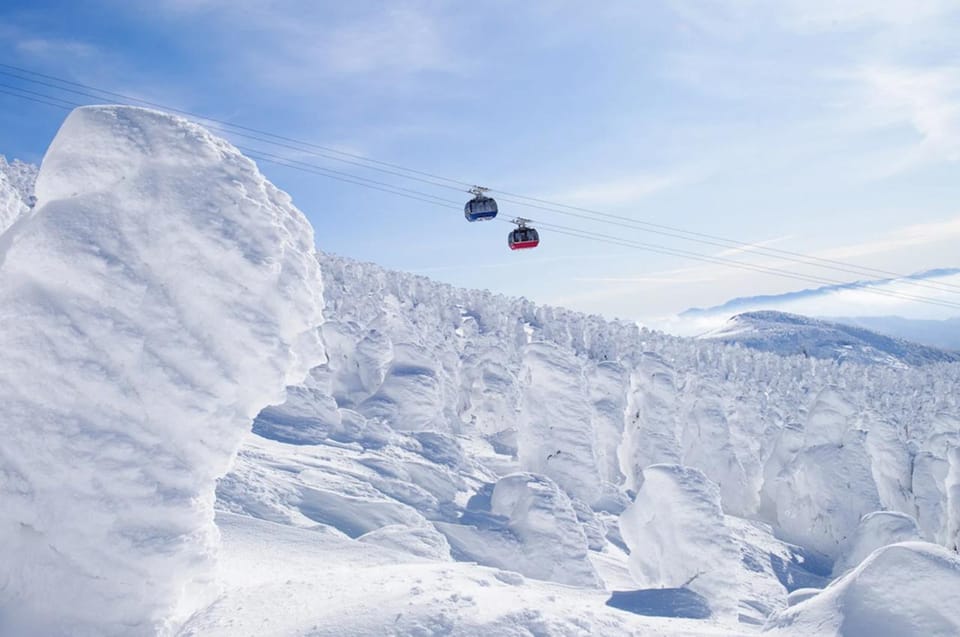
[(828, 128)]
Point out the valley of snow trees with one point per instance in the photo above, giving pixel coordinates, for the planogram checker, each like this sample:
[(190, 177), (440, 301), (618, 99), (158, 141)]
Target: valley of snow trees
[(444, 461)]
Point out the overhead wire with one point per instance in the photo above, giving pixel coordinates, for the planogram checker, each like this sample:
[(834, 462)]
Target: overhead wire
[(594, 236), (434, 179), (221, 122), (263, 156)]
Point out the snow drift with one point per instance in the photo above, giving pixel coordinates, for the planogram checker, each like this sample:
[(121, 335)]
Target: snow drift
[(902, 590), (156, 299)]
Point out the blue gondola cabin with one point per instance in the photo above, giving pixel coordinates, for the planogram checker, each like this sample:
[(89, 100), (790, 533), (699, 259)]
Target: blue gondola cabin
[(480, 208)]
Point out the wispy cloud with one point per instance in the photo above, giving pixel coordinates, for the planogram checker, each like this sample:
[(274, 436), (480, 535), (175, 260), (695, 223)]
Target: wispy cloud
[(52, 48), (616, 192), (926, 100), (40, 49), (912, 236), (831, 15), (293, 42)]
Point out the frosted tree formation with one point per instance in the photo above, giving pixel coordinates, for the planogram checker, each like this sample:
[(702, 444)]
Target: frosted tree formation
[(16, 188), (159, 295), (741, 437)]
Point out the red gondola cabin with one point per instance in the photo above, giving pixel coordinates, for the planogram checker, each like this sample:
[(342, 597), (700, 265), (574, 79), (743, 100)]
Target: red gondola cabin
[(523, 238)]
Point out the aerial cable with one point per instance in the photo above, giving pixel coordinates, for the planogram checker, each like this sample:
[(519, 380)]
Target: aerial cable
[(40, 99), (583, 234), (657, 249), (221, 122), (708, 239), (263, 154), (424, 197), (532, 202), (433, 199), (260, 136)]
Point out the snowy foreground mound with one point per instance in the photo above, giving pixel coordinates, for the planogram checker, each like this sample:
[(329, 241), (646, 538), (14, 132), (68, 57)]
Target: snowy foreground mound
[(901, 590), (458, 463), (159, 295)]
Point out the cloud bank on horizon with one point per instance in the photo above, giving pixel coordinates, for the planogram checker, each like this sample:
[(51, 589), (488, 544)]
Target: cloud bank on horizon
[(855, 303)]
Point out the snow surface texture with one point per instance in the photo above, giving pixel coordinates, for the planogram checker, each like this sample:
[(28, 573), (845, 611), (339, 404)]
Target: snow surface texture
[(876, 530), (156, 299), (902, 590), (791, 334)]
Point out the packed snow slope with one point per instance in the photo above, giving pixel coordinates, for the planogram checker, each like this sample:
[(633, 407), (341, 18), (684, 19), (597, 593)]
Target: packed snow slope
[(944, 334), (159, 295), (791, 334)]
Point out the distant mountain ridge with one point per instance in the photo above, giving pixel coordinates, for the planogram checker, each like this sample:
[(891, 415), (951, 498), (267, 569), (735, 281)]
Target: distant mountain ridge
[(744, 302), (792, 334)]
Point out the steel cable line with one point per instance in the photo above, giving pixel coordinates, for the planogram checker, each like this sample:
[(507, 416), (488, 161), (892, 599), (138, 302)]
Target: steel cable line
[(708, 239), (261, 136), (564, 230), (658, 249), (268, 156), (811, 261), (585, 234), (219, 121), (532, 202), (40, 99)]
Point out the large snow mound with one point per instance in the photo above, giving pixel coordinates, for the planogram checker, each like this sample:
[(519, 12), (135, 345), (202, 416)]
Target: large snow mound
[(160, 295), (911, 589)]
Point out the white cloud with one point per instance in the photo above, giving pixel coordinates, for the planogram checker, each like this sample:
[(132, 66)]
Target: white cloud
[(912, 236), (927, 100), (52, 48), (38, 48), (294, 43), (400, 38), (821, 15), (617, 192)]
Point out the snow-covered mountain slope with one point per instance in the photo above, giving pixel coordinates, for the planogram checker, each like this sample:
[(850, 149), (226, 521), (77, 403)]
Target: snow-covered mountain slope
[(459, 463), (943, 334), (853, 304), (156, 299), (790, 334), (437, 405)]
